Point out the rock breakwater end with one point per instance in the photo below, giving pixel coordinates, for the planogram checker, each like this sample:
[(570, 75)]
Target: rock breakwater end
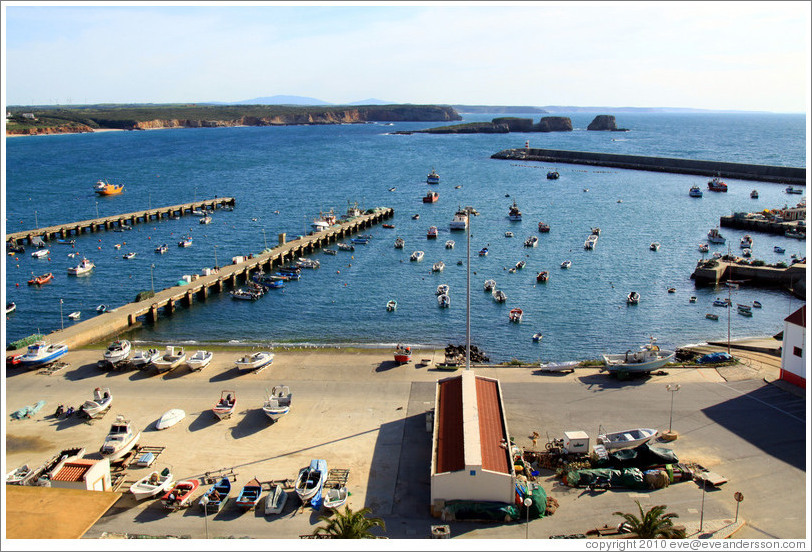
[(605, 122)]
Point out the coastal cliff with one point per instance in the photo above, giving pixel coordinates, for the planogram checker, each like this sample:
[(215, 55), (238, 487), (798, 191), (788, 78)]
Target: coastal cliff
[(605, 122)]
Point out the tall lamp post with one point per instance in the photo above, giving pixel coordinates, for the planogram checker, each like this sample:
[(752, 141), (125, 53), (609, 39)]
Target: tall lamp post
[(215, 258), (204, 500), (152, 278), (97, 209), (670, 435), (527, 503), (265, 239), (60, 314)]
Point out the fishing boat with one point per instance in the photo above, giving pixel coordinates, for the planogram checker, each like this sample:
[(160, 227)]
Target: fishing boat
[(483, 252), (179, 495), (443, 288), (185, 242), (566, 264), (336, 496), (711, 316), (537, 337), (745, 310), (515, 315), (120, 439), (655, 246), (311, 479), (360, 240), (104, 188), (249, 495), (153, 484), (254, 361), (143, 358), (508, 234), (432, 233), (199, 360), (721, 302), (754, 194), (129, 255), (82, 268), (747, 252), (514, 213), (542, 276), (277, 402), (330, 251), (387, 225), (225, 406), (460, 221), (757, 304), (792, 190), (715, 237), (391, 305), (117, 351), (438, 266), (520, 265), (692, 299), (449, 244), (172, 358), (75, 315), (746, 242), (778, 249), (11, 306), (499, 295), (704, 248), (628, 438), (431, 197), (399, 243), (99, 404), (433, 177), (417, 256), (216, 496), (532, 241), (345, 247), (648, 358), (717, 185), (489, 285), (403, 354), (304, 262), (443, 301), (552, 175), (275, 500), (633, 298), (39, 280), (163, 248), (245, 294), (40, 354), (169, 418), (695, 191)]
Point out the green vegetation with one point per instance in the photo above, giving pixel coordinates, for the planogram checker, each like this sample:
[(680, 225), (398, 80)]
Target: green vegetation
[(349, 524), (653, 524)]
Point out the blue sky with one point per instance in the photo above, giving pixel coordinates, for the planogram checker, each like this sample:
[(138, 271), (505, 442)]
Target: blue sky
[(725, 55)]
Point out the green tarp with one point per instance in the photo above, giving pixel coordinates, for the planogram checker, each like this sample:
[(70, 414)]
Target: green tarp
[(491, 511), (629, 478)]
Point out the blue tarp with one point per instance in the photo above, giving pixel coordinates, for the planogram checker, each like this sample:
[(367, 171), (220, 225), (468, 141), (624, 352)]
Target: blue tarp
[(28, 411), (712, 358)]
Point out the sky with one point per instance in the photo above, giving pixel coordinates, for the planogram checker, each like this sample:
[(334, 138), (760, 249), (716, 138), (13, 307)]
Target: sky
[(752, 56)]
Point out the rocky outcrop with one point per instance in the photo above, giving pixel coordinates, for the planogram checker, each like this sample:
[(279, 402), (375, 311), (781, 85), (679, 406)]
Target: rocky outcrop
[(501, 125), (515, 124), (554, 124), (605, 122)]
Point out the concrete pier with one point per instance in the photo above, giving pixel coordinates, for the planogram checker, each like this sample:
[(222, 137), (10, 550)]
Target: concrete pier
[(792, 278), (741, 171), (166, 301), (63, 231)]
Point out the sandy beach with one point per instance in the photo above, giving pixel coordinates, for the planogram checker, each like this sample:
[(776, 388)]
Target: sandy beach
[(360, 411)]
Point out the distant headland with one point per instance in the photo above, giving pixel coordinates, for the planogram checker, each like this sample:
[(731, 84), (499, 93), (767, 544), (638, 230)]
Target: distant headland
[(503, 125), (27, 120)]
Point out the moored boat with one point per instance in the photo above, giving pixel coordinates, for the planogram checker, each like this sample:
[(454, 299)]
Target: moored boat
[(715, 237), (311, 479), (104, 188), (120, 439), (695, 191), (449, 244), (153, 484), (483, 252), (628, 438), (489, 285), (532, 241), (704, 248), (82, 268), (417, 256), (552, 175), (129, 255), (432, 233), (431, 197), (778, 249), (254, 361), (225, 406), (403, 354), (756, 304), (171, 359), (399, 243), (277, 402), (746, 242), (459, 221), (754, 194), (544, 227), (499, 295), (438, 266), (633, 298), (391, 305), (542, 276), (793, 190), (566, 264), (11, 306), (514, 213), (648, 358), (711, 316), (162, 249), (655, 246), (75, 315), (433, 177), (185, 242), (39, 280), (537, 337), (717, 185), (515, 315), (443, 301)]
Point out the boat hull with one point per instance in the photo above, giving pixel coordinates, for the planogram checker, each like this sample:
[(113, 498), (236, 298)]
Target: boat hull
[(170, 418), (617, 363), (120, 452)]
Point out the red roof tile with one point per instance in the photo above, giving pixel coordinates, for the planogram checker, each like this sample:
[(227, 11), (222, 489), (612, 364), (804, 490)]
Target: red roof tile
[(450, 439), (74, 470), (491, 426)]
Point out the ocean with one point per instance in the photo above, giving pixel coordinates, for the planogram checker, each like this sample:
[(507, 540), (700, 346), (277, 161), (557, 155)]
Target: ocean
[(285, 176)]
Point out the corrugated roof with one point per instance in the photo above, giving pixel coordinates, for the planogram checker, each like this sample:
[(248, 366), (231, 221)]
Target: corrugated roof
[(450, 440), (798, 317), (73, 471), (491, 426)]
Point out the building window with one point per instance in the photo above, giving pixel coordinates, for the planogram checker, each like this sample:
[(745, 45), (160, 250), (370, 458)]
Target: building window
[(473, 472), (797, 351)]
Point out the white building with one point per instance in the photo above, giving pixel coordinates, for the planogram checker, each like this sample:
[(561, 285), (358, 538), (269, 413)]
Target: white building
[(793, 350), (470, 453), (84, 474)]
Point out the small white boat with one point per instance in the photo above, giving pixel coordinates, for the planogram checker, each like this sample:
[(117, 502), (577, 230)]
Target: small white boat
[(117, 351), (715, 237), (399, 243), (489, 285), (145, 358), (754, 194), (275, 500), (225, 406), (199, 360), (254, 361), (75, 315), (391, 305), (185, 242), (532, 241), (633, 298), (40, 253), (335, 497), (102, 399), (508, 234), (443, 289), (101, 309), (746, 241), (417, 256), (648, 358), (171, 359), (170, 418), (537, 337), (499, 295), (311, 479), (82, 268), (703, 247), (655, 246), (152, 484), (778, 249), (129, 255), (277, 402), (120, 439), (629, 438), (449, 244), (162, 249), (566, 264), (443, 301), (205, 220), (756, 304), (438, 266)]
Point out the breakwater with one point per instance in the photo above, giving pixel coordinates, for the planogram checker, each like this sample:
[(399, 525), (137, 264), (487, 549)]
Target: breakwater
[(166, 301), (63, 231), (791, 278), (741, 171)]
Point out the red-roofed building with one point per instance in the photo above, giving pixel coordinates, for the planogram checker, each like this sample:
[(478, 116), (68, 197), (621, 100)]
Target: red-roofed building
[(793, 350), (470, 451), (85, 474)]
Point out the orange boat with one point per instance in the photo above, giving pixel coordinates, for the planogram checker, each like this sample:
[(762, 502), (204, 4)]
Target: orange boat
[(431, 197), (39, 280), (104, 188), (403, 354)]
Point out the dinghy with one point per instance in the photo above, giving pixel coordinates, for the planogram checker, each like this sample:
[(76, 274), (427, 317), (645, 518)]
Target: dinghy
[(179, 495), (225, 406), (216, 496), (254, 361), (171, 359), (335, 497), (275, 500), (311, 479), (250, 495), (170, 418), (626, 439), (102, 399), (152, 484)]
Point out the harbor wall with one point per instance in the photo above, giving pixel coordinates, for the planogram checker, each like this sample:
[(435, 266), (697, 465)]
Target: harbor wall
[(792, 278), (723, 169)]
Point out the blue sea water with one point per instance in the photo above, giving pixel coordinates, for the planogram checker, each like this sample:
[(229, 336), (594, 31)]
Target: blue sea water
[(284, 176)]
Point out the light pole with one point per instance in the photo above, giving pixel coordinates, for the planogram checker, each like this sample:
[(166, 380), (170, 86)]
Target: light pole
[(152, 278), (215, 258), (702, 510), (671, 388), (36, 221), (527, 503), (97, 209), (204, 500), (60, 314), (738, 497), (264, 238)]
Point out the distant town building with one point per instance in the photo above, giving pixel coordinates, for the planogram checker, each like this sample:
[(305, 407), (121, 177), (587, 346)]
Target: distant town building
[(793, 351), (794, 213), (29, 116)]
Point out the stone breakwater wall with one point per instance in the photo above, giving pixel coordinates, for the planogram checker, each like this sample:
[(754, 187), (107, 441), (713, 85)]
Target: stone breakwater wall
[(742, 171)]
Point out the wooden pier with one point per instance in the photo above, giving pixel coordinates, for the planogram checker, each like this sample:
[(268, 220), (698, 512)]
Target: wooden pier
[(63, 231), (165, 302)]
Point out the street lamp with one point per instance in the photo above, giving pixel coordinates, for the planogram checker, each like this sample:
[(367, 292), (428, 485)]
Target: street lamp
[(527, 503), (97, 209), (60, 314), (265, 238), (204, 500), (671, 388), (152, 278), (36, 222)]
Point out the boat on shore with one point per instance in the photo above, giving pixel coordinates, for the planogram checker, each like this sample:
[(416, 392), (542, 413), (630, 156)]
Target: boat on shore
[(104, 188), (99, 404), (143, 358), (199, 360), (117, 351), (648, 358), (403, 354), (254, 361), (249, 495), (311, 479), (172, 358), (82, 268), (153, 484), (277, 402), (275, 500), (40, 353), (120, 439), (628, 438), (179, 495), (169, 418), (216, 496), (499, 295), (225, 406)]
